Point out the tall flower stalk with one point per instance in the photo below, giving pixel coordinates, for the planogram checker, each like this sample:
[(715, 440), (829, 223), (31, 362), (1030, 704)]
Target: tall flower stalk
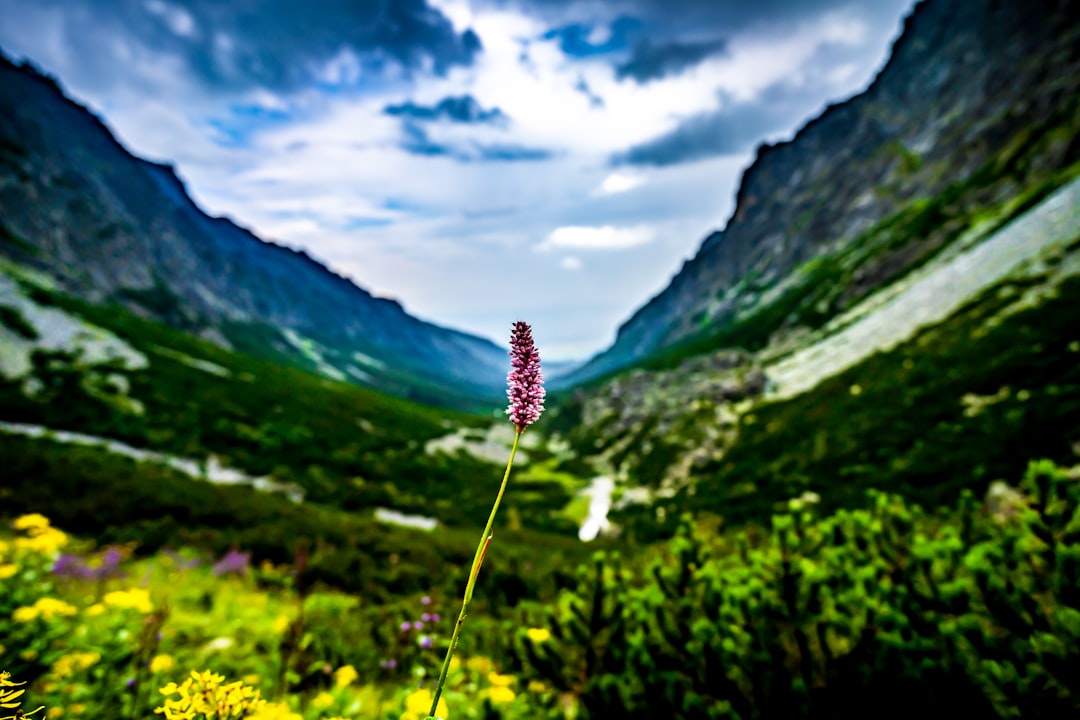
[(525, 391)]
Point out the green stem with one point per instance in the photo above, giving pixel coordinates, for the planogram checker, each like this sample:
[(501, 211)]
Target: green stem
[(474, 571)]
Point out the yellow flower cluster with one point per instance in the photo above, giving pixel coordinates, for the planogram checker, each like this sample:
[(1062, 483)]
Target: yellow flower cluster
[(39, 535), (345, 675), (205, 694), (45, 608), (418, 704), (74, 662), (274, 711), (10, 698), (7, 570), (162, 663), (500, 692), (538, 635), (134, 599)]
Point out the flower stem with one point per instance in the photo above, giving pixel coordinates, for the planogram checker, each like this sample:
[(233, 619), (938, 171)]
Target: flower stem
[(474, 571)]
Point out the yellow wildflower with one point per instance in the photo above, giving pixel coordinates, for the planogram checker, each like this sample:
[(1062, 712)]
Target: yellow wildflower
[(345, 675), (481, 665), (535, 686), (281, 624), (74, 662), (55, 712), (418, 704), (275, 711), (538, 635), (500, 680), (47, 540), (500, 695), (252, 679), (135, 599), (45, 608), (161, 663), (8, 570), (33, 521), (322, 701), (205, 694), (95, 610), (9, 698)]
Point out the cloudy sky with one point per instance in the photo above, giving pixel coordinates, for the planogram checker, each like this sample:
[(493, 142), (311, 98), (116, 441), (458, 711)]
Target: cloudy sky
[(482, 161)]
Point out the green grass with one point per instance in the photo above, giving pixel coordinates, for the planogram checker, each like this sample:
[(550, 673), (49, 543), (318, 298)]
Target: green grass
[(346, 446)]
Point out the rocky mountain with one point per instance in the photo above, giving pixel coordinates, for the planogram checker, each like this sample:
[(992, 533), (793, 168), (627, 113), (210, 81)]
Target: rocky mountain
[(109, 227), (894, 304), (977, 102)]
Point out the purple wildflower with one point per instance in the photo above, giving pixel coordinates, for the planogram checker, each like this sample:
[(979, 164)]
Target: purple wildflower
[(419, 624), (388, 664), (72, 566), (435, 617), (406, 626), (425, 600), (233, 562), (426, 642), (426, 617), (525, 382)]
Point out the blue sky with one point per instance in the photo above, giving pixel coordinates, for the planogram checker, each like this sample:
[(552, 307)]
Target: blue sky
[(482, 161)]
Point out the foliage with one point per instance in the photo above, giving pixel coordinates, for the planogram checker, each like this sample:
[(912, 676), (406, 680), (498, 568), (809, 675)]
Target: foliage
[(886, 607)]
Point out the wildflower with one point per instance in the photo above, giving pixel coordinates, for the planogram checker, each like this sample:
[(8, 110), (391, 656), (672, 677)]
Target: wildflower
[(9, 698), (406, 626), (281, 624), (538, 635), (134, 599), (206, 694), (345, 675), (419, 703), (500, 680), (426, 617), (425, 642), (33, 521), (525, 382), (74, 662), (322, 701), (7, 571), (95, 610), (418, 625), (275, 711), (501, 695), (162, 663), (425, 600), (535, 686), (45, 608), (435, 617), (233, 562)]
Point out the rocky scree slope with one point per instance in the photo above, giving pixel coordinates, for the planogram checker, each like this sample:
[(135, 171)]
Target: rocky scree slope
[(965, 114), (110, 227)]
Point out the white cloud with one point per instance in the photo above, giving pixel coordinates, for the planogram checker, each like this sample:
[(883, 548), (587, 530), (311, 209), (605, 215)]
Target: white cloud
[(571, 263), (620, 181), (605, 237), (178, 20)]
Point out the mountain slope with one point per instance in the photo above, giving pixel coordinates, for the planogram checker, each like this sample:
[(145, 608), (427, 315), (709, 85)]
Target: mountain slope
[(110, 227), (977, 101)]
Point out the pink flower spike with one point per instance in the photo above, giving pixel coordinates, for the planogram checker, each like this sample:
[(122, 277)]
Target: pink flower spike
[(525, 382)]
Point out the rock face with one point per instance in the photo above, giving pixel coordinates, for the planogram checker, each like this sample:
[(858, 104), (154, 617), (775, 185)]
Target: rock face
[(111, 227), (968, 85)]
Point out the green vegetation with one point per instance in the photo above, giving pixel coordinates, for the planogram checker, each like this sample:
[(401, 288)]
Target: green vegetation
[(956, 407), (345, 446), (886, 609), (13, 320)]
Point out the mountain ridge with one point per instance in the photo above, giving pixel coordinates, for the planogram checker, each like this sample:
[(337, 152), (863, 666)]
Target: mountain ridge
[(112, 227), (934, 114)]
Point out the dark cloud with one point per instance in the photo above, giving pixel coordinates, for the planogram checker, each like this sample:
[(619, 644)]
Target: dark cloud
[(417, 141), (461, 109), (734, 128), (653, 62), (278, 44)]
